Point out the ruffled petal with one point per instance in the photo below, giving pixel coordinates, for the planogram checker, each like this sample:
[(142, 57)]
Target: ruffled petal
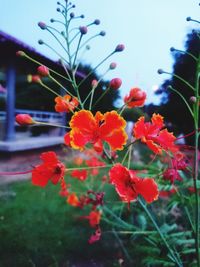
[(117, 139), (148, 189), (78, 140), (112, 121), (154, 147), (139, 128), (84, 121), (157, 120)]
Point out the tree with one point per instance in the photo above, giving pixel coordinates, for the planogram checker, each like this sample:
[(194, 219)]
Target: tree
[(173, 107)]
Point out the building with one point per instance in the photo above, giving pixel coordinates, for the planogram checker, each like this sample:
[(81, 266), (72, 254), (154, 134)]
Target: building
[(14, 69)]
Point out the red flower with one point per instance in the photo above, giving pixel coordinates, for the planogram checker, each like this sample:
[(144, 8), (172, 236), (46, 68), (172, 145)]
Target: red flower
[(171, 175), (51, 169), (66, 103), (87, 128), (94, 162), (94, 218), (151, 133), (24, 119), (73, 200), (136, 98), (95, 236), (79, 174), (129, 186)]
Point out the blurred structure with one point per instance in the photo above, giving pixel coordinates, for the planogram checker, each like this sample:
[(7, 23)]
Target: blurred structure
[(16, 96)]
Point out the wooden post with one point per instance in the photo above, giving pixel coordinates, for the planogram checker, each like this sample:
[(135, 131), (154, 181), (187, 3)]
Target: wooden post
[(10, 103)]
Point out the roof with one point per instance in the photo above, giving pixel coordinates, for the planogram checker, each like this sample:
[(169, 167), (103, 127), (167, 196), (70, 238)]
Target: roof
[(9, 45)]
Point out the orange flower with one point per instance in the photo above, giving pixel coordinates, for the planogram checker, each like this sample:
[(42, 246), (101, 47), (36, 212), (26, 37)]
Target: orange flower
[(87, 128), (151, 133), (73, 200), (94, 218), (136, 98), (51, 169), (129, 186), (66, 103)]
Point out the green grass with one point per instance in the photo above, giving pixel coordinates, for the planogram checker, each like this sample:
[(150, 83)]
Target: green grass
[(38, 228)]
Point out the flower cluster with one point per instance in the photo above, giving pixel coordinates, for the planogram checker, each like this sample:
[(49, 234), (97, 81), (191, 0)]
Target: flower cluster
[(104, 150)]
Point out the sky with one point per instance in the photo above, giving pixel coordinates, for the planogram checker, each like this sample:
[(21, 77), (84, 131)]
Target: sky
[(147, 28)]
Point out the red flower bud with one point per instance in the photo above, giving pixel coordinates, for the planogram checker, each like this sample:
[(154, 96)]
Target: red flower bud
[(113, 65), (136, 98), (83, 29), (43, 71), (94, 83), (33, 78), (42, 25), (24, 119), (115, 83), (119, 48)]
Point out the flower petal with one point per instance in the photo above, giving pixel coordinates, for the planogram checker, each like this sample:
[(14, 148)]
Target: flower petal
[(148, 189)]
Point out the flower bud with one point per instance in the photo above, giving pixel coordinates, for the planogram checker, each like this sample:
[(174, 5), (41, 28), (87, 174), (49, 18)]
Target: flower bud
[(43, 71), (42, 25), (119, 48), (24, 119), (188, 19), (193, 99), (33, 78), (94, 83), (52, 20), (83, 29), (135, 98), (115, 83), (97, 22), (102, 33), (113, 65), (72, 15), (82, 16), (172, 49), (20, 53), (160, 71), (40, 42)]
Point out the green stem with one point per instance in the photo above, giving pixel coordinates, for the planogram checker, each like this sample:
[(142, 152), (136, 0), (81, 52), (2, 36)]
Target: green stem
[(196, 163), (51, 124), (49, 89), (160, 233)]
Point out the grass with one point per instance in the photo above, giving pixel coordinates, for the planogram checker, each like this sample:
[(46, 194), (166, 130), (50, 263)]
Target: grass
[(38, 228)]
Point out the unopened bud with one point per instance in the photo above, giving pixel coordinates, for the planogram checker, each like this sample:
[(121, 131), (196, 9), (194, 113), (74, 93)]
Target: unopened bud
[(193, 99), (43, 71), (42, 25), (33, 78), (102, 33), (83, 29), (82, 16), (113, 65), (97, 21), (52, 20), (94, 83), (172, 49), (115, 83), (72, 15), (188, 19), (160, 71), (40, 42), (24, 119), (119, 48), (20, 54)]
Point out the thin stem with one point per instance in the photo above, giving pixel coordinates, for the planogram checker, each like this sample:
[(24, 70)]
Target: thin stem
[(185, 101), (88, 168), (51, 124), (94, 69), (196, 163), (104, 93), (15, 173), (122, 245), (39, 63), (181, 79), (49, 89), (160, 233)]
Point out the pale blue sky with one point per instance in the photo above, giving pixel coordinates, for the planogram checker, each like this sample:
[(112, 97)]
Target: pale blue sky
[(147, 28)]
